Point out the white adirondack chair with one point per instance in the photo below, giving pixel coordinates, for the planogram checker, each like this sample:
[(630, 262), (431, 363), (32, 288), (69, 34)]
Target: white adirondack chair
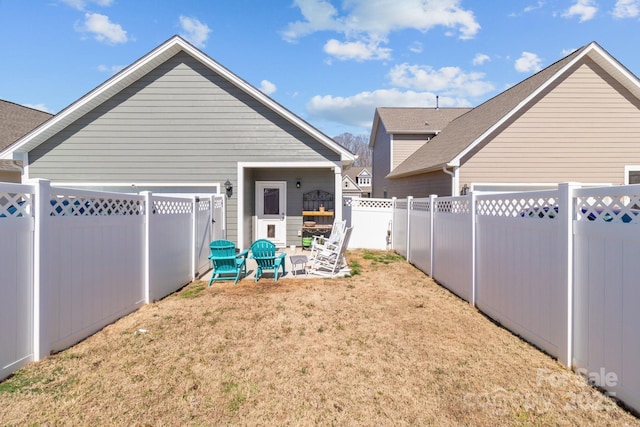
[(330, 261)]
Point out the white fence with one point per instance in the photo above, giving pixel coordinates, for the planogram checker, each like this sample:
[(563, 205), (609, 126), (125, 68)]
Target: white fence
[(73, 261), (373, 217), (559, 268)]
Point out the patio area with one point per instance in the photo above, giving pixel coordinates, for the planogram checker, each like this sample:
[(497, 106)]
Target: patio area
[(301, 270)]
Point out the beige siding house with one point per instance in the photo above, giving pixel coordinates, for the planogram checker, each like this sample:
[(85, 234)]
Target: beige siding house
[(177, 121), (397, 133), (15, 121), (576, 120)]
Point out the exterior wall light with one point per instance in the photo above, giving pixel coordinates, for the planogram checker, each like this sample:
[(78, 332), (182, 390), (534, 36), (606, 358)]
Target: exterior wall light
[(229, 187)]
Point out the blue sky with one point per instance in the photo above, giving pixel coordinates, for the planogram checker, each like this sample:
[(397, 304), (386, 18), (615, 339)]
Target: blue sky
[(332, 62)]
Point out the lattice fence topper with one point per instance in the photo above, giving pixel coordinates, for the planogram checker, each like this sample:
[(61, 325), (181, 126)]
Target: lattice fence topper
[(542, 207), (369, 203), (421, 205), (620, 209), (172, 207), (90, 206), (401, 204), (14, 205), (203, 205), (218, 203), (458, 206)]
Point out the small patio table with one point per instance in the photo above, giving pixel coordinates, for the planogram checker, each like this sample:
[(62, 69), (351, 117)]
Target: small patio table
[(298, 260)]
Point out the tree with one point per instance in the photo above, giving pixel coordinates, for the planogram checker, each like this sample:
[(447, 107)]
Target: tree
[(358, 145)]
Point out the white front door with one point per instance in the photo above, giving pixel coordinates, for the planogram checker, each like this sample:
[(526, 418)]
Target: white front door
[(271, 208)]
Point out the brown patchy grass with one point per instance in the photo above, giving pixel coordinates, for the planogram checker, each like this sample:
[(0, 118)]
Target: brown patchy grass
[(387, 346)]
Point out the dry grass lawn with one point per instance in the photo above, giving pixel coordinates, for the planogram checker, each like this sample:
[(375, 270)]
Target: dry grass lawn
[(387, 346)]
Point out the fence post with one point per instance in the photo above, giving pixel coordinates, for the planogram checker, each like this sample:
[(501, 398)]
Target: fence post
[(432, 211), (393, 222), (409, 203), (565, 215), (194, 230), (472, 211), (146, 256), (41, 306)]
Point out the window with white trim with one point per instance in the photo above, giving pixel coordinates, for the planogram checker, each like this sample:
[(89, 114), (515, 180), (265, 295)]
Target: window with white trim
[(632, 174)]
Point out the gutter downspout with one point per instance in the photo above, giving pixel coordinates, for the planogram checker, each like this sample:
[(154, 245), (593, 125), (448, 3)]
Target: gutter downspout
[(454, 179)]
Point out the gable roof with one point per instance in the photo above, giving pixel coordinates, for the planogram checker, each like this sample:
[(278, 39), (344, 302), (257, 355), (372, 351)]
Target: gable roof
[(473, 128), (354, 172), (347, 178), (411, 120), (15, 121), (141, 67)]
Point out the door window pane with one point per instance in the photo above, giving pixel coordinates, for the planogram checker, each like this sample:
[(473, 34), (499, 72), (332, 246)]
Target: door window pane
[(271, 201)]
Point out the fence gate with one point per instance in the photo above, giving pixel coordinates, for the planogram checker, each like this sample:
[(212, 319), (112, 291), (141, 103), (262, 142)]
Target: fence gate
[(202, 235), (219, 219)]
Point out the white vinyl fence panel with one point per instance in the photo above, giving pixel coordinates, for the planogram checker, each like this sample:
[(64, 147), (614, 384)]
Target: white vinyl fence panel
[(453, 245), (420, 234), (16, 277), (372, 219), (607, 289), (90, 263), (72, 261), (170, 265), (520, 282), (400, 226)]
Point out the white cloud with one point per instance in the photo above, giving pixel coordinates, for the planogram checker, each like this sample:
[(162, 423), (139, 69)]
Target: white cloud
[(358, 50), (416, 47), (357, 110), (194, 31), (583, 9), (102, 29), (82, 4), (480, 59), (113, 69), (367, 23), (267, 87), (626, 9), (528, 62), (531, 8), (450, 81)]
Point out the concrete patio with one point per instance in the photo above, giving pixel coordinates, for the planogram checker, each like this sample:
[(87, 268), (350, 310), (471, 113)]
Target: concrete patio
[(301, 271)]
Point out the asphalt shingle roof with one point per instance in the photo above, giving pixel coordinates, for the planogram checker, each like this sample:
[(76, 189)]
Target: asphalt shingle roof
[(467, 128)]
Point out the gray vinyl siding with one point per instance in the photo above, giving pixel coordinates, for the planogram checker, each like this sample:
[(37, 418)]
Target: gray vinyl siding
[(179, 123), (423, 185), (380, 161), (586, 128)]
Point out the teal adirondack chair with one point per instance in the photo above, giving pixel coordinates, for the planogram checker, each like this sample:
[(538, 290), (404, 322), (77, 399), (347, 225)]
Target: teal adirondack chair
[(264, 252), (227, 265)]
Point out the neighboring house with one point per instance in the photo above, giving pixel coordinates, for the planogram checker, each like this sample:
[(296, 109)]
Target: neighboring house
[(356, 182), (15, 121), (576, 120), (178, 121), (397, 133)]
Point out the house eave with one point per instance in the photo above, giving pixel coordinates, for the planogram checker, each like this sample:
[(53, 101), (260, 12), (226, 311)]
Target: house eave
[(429, 169)]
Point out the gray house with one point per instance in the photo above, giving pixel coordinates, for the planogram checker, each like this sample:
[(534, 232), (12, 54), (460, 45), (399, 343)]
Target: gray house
[(177, 121)]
